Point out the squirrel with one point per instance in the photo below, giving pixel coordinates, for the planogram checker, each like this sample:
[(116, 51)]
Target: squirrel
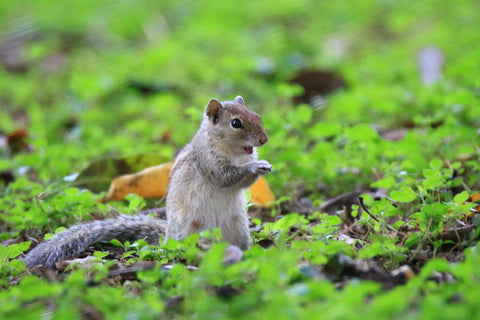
[(205, 190)]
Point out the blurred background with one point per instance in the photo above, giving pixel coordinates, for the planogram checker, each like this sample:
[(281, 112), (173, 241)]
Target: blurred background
[(88, 79)]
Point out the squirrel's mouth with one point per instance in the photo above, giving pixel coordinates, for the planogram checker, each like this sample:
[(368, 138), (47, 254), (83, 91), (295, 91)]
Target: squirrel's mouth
[(248, 149)]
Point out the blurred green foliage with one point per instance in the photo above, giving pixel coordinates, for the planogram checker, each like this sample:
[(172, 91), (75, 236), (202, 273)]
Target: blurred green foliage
[(90, 79)]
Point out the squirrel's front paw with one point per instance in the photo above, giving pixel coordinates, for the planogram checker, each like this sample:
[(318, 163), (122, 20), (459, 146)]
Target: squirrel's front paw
[(261, 167)]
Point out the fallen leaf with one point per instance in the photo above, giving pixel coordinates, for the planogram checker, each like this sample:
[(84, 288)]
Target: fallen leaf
[(7, 177), (16, 141), (149, 183), (261, 193), (266, 243), (475, 198), (315, 84), (99, 173)]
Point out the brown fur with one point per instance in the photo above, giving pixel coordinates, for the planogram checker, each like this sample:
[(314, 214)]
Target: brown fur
[(210, 173)]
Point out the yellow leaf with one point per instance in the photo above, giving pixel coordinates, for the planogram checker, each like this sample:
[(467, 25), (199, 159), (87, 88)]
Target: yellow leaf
[(149, 183), (261, 193)]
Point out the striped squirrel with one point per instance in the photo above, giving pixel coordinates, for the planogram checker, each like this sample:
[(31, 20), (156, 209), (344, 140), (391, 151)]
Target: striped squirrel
[(205, 190)]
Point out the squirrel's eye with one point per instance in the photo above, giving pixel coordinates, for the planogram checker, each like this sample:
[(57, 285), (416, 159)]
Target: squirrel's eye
[(236, 123)]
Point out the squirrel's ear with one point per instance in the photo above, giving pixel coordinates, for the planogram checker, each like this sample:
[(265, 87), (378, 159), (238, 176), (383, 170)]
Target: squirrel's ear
[(239, 99), (213, 109)]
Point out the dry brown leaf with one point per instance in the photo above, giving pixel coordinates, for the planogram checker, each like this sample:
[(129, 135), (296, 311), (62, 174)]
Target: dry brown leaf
[(474, 198), (316, 83), (17, 141), (153, 182)]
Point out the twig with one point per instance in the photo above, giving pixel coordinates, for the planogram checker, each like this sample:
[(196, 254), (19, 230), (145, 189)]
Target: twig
[(389, 227)]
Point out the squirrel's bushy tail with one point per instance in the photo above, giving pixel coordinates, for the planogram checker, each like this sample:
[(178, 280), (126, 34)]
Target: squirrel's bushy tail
[(76, 239)]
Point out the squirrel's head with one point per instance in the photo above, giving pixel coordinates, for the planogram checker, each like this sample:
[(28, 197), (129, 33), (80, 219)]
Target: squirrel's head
[(232, 123)]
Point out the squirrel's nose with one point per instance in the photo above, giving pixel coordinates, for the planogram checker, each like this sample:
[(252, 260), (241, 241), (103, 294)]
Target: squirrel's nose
[(263, 139)]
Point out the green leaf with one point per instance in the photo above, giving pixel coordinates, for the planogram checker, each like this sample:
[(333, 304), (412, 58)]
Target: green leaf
[(151, 276), (135, 201), (361, 132), (386, 182), (71, 191), (412, 239), (461, 197), (4, 254), (334, 220), (436, 164), (128, 253), (116, 243), (322, 129), (428, 173), (289, 220), (100, 254), (16, 267), (14, 250), (433, 182), (302, 115), (405, 194)]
